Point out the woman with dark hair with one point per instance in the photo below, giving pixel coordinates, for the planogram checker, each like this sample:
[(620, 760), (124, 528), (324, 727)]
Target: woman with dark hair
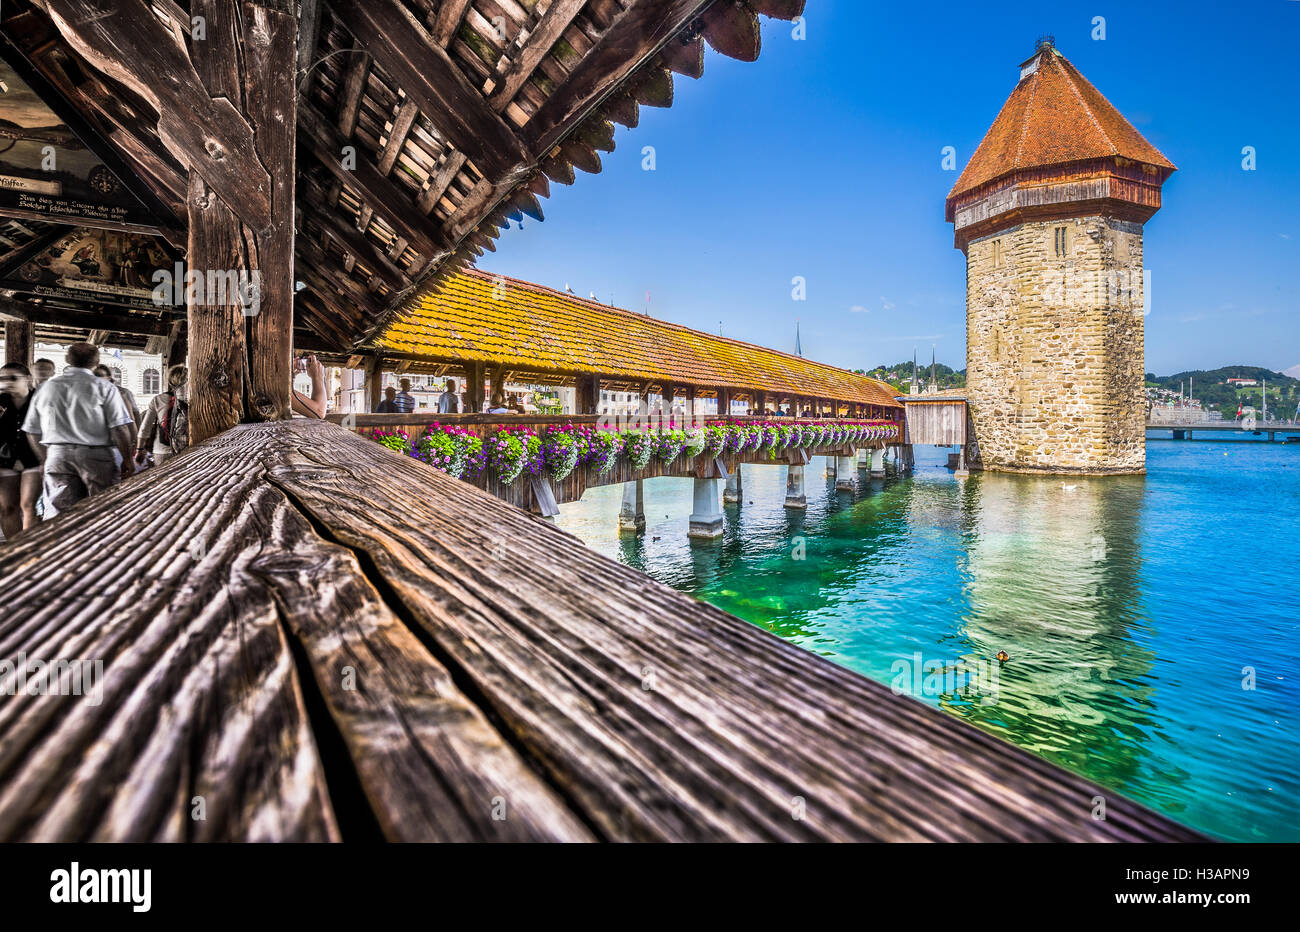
[(20, 468)]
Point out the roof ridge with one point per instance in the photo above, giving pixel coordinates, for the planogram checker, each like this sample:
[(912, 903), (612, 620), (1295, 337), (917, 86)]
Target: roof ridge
[(569, 296), (1074, 88), (1024, 122)]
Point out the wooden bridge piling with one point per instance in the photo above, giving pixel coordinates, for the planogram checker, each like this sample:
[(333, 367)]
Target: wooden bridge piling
[(735, 490), (795, 496), (846, 474), (631, 513), (706, 521)]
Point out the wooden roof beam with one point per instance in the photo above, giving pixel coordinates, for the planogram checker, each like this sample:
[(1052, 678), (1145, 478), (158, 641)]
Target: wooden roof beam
[(402, 47), (402, 123), (85, 320), (354, 88), (637, 34), (550, 27), (206, 134), (379, 193), (444, 24), (353, 240)]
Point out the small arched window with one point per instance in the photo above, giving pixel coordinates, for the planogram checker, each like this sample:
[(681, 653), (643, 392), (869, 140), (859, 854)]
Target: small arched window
[(117, 374), (152, 382)]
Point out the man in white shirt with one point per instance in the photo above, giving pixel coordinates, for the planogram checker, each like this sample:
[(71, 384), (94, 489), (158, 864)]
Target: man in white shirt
[(73, 423), (448, 401)]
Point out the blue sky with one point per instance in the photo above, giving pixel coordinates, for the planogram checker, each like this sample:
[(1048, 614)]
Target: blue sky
[(823, 160)]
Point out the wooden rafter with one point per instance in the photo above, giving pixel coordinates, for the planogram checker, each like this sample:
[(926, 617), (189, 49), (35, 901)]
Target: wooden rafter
[(640, 30), (544, 35), (379, 193), (406, 51), (354, 88), (446, 21), (205, 133), (85, 319)]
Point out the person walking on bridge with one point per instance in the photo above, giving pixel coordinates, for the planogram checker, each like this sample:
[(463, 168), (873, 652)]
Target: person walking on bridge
[(73, 424)]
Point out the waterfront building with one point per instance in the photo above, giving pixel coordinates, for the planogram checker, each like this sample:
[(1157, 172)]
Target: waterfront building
[(1049, 214)]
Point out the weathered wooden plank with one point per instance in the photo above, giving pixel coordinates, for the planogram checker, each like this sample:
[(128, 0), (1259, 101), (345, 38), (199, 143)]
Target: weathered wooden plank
[(199, 694), (660, 717), (242, 645)]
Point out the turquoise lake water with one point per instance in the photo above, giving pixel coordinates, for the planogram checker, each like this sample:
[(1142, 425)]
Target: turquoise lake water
[(1135, 610)]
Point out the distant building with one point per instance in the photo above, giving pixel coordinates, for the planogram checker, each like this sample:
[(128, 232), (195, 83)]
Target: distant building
[(139, 372), (1243, 383)]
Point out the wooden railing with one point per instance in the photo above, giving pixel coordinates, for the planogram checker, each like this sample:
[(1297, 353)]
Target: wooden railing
[(540, 495)]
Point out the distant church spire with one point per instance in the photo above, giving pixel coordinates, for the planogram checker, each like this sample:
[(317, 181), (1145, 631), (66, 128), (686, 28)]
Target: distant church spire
[(798, 344)]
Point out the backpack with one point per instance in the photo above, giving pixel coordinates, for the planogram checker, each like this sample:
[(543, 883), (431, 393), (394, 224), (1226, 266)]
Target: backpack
[(175, 426)]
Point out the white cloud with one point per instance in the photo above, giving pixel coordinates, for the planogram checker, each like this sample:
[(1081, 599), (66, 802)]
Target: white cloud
[(859, 309), (1293, 372)]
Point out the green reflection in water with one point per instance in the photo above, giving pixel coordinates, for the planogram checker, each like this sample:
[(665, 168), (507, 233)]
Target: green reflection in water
[(1129, 607)]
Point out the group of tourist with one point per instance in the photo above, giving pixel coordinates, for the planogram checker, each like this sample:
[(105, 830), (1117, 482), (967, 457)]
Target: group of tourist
[(400, 401), (69, 436)]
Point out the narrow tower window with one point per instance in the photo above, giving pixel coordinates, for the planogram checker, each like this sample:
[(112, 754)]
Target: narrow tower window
[(997, 254), (1061, 242)]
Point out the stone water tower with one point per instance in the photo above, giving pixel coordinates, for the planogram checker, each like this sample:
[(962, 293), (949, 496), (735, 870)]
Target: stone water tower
[(1049, 214)]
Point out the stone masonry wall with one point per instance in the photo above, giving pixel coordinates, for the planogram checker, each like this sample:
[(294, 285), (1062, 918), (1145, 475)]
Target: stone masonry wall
[(1054, 347)]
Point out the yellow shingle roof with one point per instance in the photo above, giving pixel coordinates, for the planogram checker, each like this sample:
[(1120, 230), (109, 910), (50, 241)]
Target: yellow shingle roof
[(474, 316)]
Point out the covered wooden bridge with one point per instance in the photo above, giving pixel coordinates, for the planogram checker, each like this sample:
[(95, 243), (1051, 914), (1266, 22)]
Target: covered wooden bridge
[(289, 632), (492, 329)]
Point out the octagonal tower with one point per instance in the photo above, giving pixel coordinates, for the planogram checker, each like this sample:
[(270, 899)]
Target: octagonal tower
[(1049, 213)]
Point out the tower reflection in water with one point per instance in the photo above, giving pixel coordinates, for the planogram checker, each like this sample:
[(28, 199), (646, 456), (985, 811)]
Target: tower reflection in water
[(1051, 574)]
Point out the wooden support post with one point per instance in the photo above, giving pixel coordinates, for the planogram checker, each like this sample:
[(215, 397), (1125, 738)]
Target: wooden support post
[(631, 514), (760, 402), (19, 342), (734, 490), (668, 392), (795, 497), (244, 332), (706, 519), (587, 396), (846, 475), (474, 375), (724, 402), (374, 382)]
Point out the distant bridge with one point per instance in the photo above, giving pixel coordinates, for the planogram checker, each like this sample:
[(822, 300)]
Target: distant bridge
[(1268, 429)]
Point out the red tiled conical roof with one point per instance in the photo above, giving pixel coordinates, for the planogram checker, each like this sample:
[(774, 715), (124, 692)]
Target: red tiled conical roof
[(1053, 117)]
